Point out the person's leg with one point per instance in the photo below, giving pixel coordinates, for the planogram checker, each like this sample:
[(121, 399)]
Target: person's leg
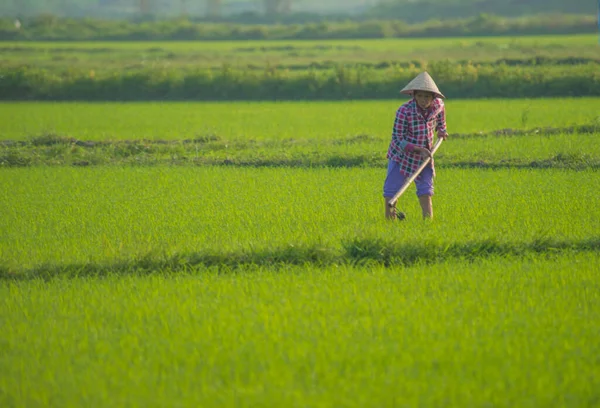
[(426, 206), (390, 212), (393, 182), (425, 191)]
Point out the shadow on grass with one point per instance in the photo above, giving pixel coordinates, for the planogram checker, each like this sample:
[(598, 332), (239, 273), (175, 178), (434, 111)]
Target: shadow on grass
[(358, 251), (389, 253)]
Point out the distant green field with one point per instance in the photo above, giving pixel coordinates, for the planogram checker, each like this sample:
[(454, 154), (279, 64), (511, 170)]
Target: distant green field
[(486, 133), (402, 44), (170, 55), (276, 120)]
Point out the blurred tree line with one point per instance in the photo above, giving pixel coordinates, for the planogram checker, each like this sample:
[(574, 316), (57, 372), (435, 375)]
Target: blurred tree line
[(421, 10), (302, 10), (52, 28), (168, 8)]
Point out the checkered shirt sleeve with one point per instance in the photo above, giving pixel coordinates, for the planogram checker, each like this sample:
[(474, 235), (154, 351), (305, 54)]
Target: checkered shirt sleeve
[(441, 120)]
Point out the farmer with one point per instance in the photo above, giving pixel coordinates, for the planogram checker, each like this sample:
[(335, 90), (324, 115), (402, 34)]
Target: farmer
[(412, 140)]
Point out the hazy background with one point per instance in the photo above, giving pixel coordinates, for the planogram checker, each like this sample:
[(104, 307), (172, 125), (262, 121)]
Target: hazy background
[(251, 10)]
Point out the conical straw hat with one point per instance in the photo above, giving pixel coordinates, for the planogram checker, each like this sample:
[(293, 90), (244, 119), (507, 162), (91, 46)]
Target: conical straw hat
[(423, 82)]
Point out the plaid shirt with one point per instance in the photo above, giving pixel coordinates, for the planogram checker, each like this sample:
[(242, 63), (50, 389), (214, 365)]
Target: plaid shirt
[(413, 127)]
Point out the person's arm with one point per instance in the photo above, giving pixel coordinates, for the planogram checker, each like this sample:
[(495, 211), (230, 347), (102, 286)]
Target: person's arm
[(442, 131), (400, 130)]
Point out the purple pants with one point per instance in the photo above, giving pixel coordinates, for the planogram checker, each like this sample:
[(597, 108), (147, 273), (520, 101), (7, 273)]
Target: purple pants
[(395, 180)]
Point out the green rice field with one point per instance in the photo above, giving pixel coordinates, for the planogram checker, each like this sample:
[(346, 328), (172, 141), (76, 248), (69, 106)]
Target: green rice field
[(237, 255), (286, 70), (296, 54), (228, 212), (276, 120), (497, 331)]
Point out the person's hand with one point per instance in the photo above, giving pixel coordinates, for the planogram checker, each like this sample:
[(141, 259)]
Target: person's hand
[(443, 136), (423, 151)]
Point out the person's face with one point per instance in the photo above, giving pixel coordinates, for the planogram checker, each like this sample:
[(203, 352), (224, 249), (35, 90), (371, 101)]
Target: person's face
[(424, 99)]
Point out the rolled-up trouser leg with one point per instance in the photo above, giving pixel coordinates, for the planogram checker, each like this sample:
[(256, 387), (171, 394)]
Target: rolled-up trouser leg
[(395, 180)]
